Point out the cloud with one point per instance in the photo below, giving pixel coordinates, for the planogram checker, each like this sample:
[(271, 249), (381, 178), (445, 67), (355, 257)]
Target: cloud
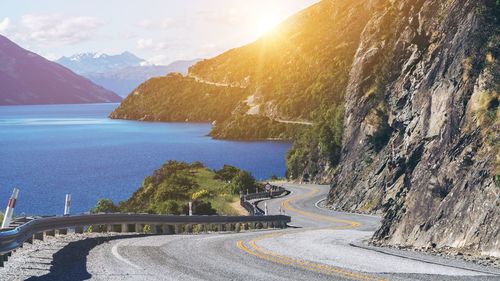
[(4, 25), (55, 29), (157, 24), (150, 44)]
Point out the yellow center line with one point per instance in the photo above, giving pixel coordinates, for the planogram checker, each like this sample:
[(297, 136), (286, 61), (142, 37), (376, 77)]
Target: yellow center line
[(286, 205), (286, 260)]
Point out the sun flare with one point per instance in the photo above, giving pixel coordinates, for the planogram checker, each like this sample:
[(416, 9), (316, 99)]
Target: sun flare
[(267, 23)]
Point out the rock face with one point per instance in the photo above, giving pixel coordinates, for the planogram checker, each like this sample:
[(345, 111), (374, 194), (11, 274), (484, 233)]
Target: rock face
[(421, 127), (27, 78)]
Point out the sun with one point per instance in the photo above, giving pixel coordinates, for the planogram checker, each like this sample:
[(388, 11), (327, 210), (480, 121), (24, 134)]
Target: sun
[(267, 23)]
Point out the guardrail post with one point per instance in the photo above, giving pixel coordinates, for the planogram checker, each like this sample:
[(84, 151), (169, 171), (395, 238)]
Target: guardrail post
[(166, 229), (138, 228), (238, 227), (79, 229), (152, 229), (177, 228), (95, 228), (38, 236), (124, 228), (200, 228)]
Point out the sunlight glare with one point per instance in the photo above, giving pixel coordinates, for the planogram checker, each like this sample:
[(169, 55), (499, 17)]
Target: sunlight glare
[(267, 23)]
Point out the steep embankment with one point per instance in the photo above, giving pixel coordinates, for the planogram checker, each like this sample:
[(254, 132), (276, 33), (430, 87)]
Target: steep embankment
[(421, 129)]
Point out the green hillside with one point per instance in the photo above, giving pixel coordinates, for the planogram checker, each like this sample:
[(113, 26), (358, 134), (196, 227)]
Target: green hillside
[(298, 72), (169, 189)]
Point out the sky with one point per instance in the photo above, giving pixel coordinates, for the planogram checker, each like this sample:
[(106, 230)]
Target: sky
[(160, 31)]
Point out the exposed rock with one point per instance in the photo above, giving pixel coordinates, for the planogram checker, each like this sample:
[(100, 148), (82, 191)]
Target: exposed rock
[(430, 68)]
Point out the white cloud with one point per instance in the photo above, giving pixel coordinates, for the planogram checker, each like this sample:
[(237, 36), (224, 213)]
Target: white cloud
[(158, 24), (4, 24), (55, 29), (150, 44)]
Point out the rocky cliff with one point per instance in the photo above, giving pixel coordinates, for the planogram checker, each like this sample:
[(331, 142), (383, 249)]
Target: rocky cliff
[(421, 128)]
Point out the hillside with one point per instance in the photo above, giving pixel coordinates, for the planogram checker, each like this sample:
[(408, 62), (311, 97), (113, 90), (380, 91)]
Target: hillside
[(298, 72), (169, 189), (178, 98), (27, 78)]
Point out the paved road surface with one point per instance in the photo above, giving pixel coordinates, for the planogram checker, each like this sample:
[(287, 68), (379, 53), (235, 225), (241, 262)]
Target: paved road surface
[(317, 248)]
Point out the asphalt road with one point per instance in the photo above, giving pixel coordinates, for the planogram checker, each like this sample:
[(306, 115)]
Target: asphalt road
[(318, 247)]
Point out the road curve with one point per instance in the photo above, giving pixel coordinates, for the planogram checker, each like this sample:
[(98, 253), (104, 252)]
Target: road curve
[(318, 247)]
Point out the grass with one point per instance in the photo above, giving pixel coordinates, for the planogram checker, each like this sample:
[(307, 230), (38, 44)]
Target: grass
[(218, 195)]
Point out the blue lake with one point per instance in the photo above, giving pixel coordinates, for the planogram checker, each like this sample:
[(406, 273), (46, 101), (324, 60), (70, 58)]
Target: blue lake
[(48, 151)]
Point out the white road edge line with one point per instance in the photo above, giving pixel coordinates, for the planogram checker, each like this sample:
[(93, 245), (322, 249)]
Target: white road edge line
[(114, 251)]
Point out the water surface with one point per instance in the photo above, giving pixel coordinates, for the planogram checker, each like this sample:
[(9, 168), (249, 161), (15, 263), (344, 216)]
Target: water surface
[(48, 151)]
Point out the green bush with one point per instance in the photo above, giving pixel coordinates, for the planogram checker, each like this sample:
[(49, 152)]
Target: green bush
[(169, 207), (227, 173), (242, 182), (104, 206)]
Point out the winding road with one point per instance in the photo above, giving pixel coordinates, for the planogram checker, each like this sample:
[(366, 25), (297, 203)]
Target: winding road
[(320, 245)]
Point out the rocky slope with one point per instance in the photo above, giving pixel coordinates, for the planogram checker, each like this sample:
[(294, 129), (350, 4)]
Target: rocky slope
[(27, 78), (421, 129)]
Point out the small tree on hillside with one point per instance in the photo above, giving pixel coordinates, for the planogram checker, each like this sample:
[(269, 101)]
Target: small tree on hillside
[(104, 206), (243, 181)]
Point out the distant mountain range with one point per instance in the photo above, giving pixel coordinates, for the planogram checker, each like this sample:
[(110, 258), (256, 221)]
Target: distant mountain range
[(120, 73), (97, 62), (27, 78)]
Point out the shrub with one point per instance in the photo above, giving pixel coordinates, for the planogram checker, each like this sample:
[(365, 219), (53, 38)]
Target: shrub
[(227, 173), (169, 207), (104, 206), (242, 182)]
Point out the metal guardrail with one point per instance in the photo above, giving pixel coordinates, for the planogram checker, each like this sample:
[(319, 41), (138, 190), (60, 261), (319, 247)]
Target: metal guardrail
[(36, 228), (252, 207), (14, 238)]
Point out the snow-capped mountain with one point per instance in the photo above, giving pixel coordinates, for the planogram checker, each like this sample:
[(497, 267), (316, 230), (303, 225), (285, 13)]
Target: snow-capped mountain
[(120, 73), (99, 62)]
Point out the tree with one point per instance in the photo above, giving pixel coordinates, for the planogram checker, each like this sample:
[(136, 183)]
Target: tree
[(242, 182), (104, 206), (227, 173)]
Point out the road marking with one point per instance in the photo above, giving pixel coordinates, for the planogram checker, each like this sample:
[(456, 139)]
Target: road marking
[(114, 251), (286, 260), (286, 204), (316, 267)]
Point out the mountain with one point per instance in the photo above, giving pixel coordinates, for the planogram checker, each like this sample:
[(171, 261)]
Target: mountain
[(97, 62), (122, 81), (395, 103), (27, 78)]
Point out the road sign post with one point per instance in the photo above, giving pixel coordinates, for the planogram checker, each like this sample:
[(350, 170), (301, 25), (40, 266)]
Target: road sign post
[(67, 204), (9, 211)]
